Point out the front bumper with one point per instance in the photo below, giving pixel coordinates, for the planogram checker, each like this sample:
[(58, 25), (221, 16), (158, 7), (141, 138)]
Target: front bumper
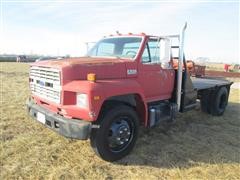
[(70, 128)]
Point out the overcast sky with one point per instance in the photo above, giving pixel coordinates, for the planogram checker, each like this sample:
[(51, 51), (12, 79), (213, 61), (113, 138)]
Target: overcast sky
[(60, 28)]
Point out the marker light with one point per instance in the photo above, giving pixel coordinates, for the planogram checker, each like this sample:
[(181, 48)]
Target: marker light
[(96, 98), (91, 77)]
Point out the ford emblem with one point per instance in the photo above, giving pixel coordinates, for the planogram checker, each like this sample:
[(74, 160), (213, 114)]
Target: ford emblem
[(41, 83)]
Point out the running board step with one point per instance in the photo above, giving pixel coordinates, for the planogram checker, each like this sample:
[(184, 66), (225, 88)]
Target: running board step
[(189, 107)]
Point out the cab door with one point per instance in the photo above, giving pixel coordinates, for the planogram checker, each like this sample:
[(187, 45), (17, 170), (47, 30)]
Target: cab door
[(156, 75)]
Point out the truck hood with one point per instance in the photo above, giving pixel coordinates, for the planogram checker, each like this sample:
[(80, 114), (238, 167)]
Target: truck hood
[(78, 68)]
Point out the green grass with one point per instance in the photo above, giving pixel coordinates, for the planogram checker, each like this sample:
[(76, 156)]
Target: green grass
[(197, 146)]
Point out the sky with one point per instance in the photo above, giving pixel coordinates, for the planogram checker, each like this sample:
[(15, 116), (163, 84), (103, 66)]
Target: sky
[(63, 27)]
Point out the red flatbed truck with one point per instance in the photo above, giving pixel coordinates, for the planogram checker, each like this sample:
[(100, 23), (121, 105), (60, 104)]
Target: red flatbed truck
[(125, 81)]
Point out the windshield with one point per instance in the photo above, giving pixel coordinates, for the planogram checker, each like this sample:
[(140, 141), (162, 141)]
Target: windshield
[(122, 47)]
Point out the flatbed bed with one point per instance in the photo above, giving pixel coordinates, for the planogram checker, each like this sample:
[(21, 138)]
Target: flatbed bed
[(208, 83)]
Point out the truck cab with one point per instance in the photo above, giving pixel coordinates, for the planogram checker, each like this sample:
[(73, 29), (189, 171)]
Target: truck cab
[(123, 82)]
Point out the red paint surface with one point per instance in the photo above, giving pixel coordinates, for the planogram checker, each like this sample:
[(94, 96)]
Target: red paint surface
[(151, 83)]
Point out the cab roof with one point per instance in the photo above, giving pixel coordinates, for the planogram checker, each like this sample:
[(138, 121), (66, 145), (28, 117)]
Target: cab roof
[(131, 35)]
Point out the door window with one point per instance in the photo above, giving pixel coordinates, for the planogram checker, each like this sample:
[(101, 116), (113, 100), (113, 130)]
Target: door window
[(157, 51)]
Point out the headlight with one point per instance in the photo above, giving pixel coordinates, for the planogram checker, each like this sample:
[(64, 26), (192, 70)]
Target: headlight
[(82, 100)]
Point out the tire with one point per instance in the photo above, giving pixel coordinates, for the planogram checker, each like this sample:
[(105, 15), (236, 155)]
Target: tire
[(219, 102), (117, 134)]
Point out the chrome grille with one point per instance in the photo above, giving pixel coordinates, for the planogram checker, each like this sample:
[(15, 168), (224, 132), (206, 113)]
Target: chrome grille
[(45, 82)]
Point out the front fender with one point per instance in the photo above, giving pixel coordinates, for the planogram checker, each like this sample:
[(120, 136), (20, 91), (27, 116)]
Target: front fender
[(100, 91)]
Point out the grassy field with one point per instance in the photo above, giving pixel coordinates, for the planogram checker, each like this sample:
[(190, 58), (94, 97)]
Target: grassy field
[(215, 66), (219, 67), (197, 146)]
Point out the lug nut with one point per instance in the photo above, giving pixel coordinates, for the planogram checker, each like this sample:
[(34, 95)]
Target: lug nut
[(125, 129), (120, 132), (128, 133), (126, 140), (118, 139), (121, 142)]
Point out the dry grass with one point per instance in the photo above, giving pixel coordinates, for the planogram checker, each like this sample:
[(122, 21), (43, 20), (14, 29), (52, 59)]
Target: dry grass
[(220, 67), (198, 146), (215, 66)]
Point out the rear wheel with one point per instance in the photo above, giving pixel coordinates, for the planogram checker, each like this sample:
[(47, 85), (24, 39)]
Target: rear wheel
[(220, 102), (117, 134), (215, 102)]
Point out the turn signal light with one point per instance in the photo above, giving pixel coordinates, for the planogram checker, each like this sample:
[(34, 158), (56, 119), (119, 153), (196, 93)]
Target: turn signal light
[(96, 98), (91, 77)]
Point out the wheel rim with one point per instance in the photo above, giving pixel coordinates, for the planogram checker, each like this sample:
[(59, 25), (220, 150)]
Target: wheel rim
[(120, 134)]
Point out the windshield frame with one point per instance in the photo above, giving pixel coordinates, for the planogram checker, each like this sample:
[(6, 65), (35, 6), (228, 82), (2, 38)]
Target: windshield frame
[(116, 57)]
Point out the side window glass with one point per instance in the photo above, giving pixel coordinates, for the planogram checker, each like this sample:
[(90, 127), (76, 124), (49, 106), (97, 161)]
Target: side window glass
[(157, 51), (151, 52), (154, 51), (145, 55)]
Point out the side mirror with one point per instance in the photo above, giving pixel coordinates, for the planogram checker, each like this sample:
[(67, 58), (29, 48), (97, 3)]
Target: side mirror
[(165, 53)]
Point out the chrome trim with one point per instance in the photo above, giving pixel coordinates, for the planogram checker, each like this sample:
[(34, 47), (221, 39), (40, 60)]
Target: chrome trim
[(45, 82)]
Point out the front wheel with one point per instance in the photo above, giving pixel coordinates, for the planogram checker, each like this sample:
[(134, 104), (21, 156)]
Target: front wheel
[(117, 134)]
